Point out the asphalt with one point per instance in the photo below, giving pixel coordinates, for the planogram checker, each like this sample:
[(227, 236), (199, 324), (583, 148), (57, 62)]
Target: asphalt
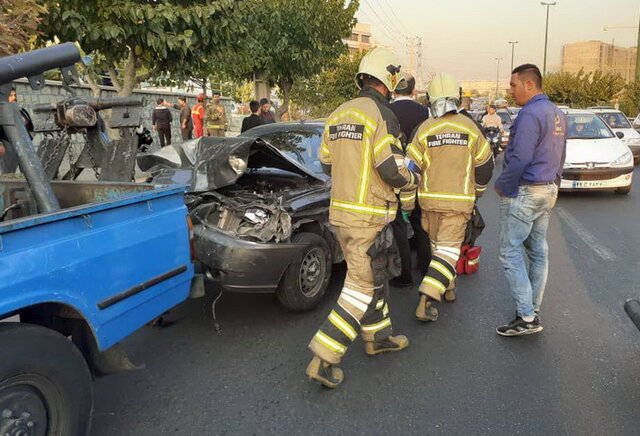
[(580, 376)]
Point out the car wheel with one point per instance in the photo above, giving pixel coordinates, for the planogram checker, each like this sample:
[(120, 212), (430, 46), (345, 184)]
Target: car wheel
[(306, 279), (623, 191), (45, 384)]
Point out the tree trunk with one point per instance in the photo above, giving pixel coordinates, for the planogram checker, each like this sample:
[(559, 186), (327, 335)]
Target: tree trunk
[(285, 87), (95, 88), (204, 86), (129, 79)]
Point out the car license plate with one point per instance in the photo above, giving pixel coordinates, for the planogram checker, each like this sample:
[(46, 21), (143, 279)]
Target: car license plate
[(588, 184)]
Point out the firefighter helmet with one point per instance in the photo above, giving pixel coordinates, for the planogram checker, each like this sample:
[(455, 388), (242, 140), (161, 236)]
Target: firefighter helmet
[(444, 94), (201, 97), (381, 64)]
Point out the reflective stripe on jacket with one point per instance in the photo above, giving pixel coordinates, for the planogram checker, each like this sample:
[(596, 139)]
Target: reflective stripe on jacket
[(362, 153), (456, 162)]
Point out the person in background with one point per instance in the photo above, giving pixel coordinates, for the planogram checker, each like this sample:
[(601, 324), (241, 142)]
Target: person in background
[(265, 111), (186, 124), (216, 117), (254, 119), (13, 96), (492, 119), (409, 114), (161, 121), (528, 188), (197, 116)]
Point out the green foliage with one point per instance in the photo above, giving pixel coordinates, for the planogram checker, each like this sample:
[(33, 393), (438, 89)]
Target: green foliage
[(141, 38), (630, 101), (582, 89), (291, 40), (18, 23), (318, 95)]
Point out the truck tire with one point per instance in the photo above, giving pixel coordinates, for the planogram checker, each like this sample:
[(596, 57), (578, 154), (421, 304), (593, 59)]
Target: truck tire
[(45, 384), (306, 279)]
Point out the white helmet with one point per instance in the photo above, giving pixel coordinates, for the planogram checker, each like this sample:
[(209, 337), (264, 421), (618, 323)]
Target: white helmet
[(381, 64), (444, 94)]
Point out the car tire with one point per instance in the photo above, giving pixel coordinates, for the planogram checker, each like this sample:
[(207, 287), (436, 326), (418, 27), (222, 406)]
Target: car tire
[(623, 191), (45, 384), (306, 279)]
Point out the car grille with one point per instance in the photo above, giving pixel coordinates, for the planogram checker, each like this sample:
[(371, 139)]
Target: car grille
[(589, 175)]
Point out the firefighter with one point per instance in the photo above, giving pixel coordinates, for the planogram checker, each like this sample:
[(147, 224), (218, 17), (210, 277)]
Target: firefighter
[(457, 163), (216, 118), (197, 115), (362, 153)]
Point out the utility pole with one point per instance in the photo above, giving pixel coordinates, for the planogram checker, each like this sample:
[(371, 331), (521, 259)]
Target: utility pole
[(546, 35), (497, 78), (513, 45)]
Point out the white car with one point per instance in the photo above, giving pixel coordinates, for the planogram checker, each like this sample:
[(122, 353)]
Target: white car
[(597, 159), (619, 123)]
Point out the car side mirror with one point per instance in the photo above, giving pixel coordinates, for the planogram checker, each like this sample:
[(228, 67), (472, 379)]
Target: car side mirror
[(620, 135)]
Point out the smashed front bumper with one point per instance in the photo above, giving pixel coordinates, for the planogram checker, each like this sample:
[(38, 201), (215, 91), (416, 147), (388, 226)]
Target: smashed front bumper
[(240, 265)]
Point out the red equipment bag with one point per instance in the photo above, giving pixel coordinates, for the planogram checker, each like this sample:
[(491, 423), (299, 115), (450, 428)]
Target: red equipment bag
[(469, 261)]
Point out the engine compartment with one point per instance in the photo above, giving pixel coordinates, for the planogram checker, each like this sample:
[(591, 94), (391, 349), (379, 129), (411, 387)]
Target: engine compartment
[(254, 208)]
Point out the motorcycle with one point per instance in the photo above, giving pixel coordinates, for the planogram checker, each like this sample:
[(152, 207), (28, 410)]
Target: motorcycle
[(494, 137)]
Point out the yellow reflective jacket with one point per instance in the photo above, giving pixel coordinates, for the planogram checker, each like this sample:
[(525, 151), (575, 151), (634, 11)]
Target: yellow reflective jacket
[(456, 162), (362, 153)]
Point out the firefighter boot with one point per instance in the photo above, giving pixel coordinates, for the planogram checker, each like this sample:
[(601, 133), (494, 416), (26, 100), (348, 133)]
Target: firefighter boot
[(450, 293), (389, 344), (324, 373), (426, 311)]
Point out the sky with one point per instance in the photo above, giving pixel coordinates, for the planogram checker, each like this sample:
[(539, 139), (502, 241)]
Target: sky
[(463, 37)]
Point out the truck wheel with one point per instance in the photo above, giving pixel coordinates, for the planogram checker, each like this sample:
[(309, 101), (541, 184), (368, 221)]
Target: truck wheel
[(306, 279), (45, 384), (623, 191)]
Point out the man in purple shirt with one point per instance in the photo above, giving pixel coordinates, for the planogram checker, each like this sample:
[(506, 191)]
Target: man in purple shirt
[(528, 188)]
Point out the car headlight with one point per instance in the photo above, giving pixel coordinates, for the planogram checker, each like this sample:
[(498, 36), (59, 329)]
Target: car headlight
[(622, 160), (257, 216), (238, 165)]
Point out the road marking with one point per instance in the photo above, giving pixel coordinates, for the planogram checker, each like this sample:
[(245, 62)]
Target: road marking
[(585, 235)]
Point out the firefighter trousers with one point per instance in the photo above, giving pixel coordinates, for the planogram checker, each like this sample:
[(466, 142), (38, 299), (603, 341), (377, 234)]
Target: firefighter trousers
[(361, 308), (446, 230)]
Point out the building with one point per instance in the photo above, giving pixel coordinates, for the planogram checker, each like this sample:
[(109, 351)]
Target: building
[(599, 56), (360, 39)]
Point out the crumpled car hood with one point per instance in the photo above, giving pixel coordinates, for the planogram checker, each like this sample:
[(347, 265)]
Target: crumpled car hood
[(205, 163)]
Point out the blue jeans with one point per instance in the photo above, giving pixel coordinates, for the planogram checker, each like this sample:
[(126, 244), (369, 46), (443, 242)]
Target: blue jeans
[(524, 221)]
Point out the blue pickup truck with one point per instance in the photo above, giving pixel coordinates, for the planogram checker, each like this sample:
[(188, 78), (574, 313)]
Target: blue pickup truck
[(113, 258), (82, 266)]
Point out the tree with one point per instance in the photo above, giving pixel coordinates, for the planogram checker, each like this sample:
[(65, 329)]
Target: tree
[(19, 20), (630, 101), (293, 40), (321, 93), (582, 89), (136, 40)]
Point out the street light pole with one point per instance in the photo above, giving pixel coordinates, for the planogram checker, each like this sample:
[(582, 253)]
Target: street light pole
[(497, 78), (638, 56), (546, 35), (513, 45)]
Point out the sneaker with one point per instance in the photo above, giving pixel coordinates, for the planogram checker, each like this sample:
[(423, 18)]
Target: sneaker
[(519, 327), (426, 311), (390, 344), (324, 373)]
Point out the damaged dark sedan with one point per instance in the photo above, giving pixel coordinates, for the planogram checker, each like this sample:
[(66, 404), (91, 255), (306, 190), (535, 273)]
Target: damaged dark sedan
[(260, 209)]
